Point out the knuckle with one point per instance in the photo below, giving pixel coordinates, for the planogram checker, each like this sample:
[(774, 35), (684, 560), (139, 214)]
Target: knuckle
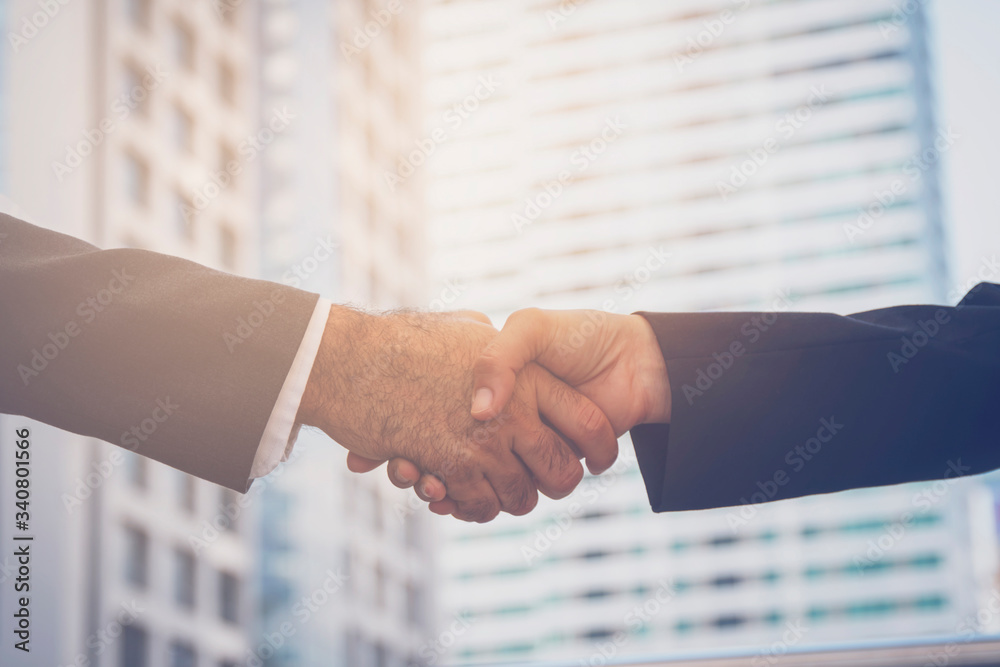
[(569, 477), (565, 479), (520, 496), (527, 502), (478, 511), (488, 363), (525, 315), (592, 421)]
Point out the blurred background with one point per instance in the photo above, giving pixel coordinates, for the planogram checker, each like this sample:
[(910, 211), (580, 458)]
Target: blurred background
[(621, 155)]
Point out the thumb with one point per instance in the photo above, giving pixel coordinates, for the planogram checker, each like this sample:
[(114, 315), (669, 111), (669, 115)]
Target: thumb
[(357, 463), (473, 315), (524, 337)]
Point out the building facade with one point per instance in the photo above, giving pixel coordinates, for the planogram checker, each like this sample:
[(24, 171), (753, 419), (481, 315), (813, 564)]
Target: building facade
[(137, 134), (694, 155), (349, 73)]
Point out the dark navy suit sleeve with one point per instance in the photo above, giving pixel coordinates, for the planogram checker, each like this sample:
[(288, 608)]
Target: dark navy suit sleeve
[(768, 406)]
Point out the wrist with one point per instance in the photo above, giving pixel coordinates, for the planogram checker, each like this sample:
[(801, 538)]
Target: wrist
[(341, 353), (651, 373)]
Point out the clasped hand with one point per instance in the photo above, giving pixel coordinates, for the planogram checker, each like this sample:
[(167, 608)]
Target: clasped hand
[(551, 388)]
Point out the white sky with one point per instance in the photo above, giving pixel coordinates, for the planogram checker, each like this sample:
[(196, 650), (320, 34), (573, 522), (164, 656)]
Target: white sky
[(966, 48)]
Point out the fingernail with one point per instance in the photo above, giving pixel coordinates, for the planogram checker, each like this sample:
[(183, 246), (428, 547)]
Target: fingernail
[(425, 490), (482, 400), (401, 478)]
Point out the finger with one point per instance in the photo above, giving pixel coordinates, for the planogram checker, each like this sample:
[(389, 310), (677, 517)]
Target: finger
[(402, 473), (444, 507), (556, 469), (474, 315), (578, 419), (431, 489), (524, 337), (477, 501), (513, 484), (356, 463)]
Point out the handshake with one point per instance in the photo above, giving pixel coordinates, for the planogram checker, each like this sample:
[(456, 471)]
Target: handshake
[(480, 421)]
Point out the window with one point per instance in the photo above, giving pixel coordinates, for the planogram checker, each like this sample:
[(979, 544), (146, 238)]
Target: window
[(182, 654), (380, 586), (228, 247), (227, 82), (136, 557), (134, 646), (229, 507), (138, 12), (729, 621), (727, 581), (229, 595), (186, 491), (136, 467), (229, 165), (183, 37), (184, 578), (136, 180), (414, 605), (135, 93), (412, 527), (376, 509), (183, 130), (184, 217)]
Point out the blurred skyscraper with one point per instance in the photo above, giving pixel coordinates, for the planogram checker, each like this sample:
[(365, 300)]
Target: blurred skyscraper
[(349, 73), (135, 130), (694, 155)]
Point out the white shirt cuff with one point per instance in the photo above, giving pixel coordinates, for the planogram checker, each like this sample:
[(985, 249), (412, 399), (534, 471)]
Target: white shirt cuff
[(281, 430)]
